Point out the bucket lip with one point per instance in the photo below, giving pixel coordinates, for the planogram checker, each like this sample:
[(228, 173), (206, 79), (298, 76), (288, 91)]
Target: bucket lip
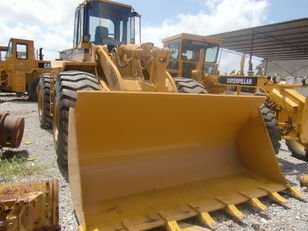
[(206, 204)]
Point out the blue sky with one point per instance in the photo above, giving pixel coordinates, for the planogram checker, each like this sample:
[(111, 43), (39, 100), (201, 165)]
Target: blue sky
[(155, 12), (283, 10)]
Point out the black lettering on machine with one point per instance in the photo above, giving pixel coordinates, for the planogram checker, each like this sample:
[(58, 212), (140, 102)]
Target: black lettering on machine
[(242, 81)]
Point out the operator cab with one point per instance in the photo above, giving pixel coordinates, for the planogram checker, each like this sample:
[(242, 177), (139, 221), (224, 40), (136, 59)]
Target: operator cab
[(105, 23), (185, 54)]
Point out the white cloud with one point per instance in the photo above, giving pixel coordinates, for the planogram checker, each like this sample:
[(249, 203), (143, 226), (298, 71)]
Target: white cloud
[(211, 4), (49, 23), (225, 15)]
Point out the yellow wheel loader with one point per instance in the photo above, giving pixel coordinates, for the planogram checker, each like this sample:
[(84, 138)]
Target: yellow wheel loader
[(19, 68), (185, 54), (285, 112), (141, 155)]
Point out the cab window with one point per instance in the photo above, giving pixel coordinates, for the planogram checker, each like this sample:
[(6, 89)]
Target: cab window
[(174, 55), (211, 53), (21, 51), (9, 53), (209, 69), (191, 50), (76, 29), (103, 29), (2, 55)]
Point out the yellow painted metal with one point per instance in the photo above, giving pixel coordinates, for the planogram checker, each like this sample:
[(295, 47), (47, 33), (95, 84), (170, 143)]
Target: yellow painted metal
[(141, 153), (17, 73), (231, 209), (296, 193), (234, 211), (292, 107), (207, 220), (276, 197), (193, 37), (204, 217), (173, 226), (255, 202), (189, 227)]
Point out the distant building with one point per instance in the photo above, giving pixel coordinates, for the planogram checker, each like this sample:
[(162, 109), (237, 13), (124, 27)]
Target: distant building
[(289, 70)]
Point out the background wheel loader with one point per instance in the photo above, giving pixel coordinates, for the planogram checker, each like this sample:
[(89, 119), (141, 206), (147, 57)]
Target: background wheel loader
[(141, 155), (19, 69), (285, 110)]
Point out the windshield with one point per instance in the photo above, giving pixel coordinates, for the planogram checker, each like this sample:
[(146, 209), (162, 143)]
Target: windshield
[(109, 24), (191, 51)]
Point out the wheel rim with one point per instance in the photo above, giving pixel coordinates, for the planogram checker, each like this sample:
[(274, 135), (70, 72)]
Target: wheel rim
[(40, 103), (55, 121)]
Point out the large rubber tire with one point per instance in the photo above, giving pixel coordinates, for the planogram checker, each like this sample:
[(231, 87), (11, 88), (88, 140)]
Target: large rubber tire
[(32, 86), (272, 127), (43, 101), (65, 94), (187, 85), (297, 150)]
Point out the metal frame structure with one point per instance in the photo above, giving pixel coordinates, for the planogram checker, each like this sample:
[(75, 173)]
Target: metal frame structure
[(280, 41)]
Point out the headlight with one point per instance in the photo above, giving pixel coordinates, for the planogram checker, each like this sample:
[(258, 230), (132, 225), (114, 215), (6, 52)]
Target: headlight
[(276, 78), (305, 81)]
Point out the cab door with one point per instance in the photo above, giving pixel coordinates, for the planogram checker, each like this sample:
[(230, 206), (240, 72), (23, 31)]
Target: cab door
[(19, 62), (23, 55)]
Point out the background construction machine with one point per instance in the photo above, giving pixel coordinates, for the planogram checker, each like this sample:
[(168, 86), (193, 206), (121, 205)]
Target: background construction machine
[(29, 206), (285, 110), (185, 54), (140, 154), (19, 69), (185, 58)]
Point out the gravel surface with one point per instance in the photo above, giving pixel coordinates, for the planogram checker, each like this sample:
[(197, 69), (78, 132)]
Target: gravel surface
[(42, 150), (291, 217)]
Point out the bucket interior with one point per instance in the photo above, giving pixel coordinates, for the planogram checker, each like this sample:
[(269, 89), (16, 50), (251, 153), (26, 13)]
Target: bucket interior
[(135, 156)]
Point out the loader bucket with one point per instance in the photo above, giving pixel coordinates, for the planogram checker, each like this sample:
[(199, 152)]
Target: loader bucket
[(138, 161)]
